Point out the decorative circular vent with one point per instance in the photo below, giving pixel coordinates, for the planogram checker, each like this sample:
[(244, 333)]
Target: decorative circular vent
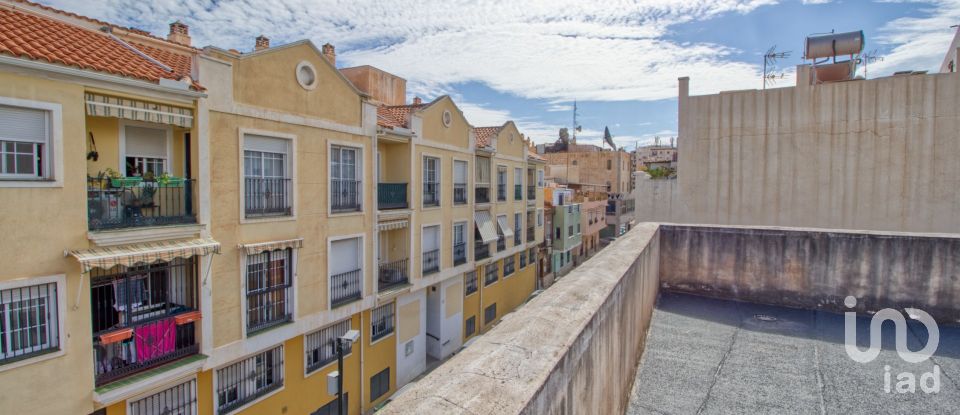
[(306, 75), (447, 118)]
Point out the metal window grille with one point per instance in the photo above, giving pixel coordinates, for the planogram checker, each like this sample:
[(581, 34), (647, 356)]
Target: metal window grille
[(508, 266), (267, 189), (517, 226), (470, 283), (471, 326), (249, 379), (490, 313), (431, 181), (345, 179), (28, 321), (379, 384), (381, 324), (321, 345), (523, 260), (269, 299), (178, 400)]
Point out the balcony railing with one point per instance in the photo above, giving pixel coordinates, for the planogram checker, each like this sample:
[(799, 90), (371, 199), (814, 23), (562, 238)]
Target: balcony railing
[(459, 253), (531, 192), (391, 195), (431, 194), (345, 195), (501, 193), (459, 193), (345, 287), (517, 237), (518, 192), (431, 261), (501, 243), (143, 318), (393, 274), (530, 235), (131, 202), (267, 196), (481, 194), (480, 250)]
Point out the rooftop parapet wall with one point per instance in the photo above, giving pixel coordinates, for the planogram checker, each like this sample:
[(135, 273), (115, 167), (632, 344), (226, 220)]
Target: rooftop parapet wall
[(566, 351), (815, 268)]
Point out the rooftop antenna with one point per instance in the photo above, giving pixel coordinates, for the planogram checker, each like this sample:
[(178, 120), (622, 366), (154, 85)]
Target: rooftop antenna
[(870, 57), (770, 58), (576, 127)]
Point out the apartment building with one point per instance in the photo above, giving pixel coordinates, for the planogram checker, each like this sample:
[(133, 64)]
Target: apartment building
[(566, 231), (592, 221)]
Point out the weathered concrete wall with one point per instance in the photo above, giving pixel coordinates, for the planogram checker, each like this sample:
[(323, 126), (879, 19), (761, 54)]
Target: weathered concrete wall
[(570, 350), (814, 269), (877, 154)]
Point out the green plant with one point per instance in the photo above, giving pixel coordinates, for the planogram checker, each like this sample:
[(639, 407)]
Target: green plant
[(113, 174), (660, 172)]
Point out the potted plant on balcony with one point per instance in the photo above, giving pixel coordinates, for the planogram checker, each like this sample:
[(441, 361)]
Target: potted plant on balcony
[(166, 180), (116, 335), (117, 180)]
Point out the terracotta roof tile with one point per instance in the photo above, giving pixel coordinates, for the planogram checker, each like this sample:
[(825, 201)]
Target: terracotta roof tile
[(396, 115), (485, 135), (29, 36), (534, 156)]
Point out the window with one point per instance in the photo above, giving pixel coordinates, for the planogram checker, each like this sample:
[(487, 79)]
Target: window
[(306, 75), (539, 218), (578, 228), (29, 321), (430, 245), (558, 233), (459, 182), (249, 379), (431, 181), (345, 179), (379, 384), (573, 162), (517, 183), (178, 400), (570, 231), (25, 136), (523, 260), (517, 228), (381, 322), (471, 326), (501, 183), (269, 289), (332, 408), (266, 171), (321, 345), (490, 313), (459, 243), (508, 266), (145, 150), (469, 283), (532, 255), (540, 182), (346, 272), (490, 274)]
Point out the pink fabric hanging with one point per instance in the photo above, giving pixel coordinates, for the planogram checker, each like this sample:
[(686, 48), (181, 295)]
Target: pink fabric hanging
[(155, 339)]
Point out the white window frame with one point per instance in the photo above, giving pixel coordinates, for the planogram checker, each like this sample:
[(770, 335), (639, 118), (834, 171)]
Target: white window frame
[(423, 234), (53, 166), (362, 259), (291, 301), (453, 236), (61, 283), (466, 181), (540, 181), (359, 174), (292, 169), (168, 145), (438, 183)]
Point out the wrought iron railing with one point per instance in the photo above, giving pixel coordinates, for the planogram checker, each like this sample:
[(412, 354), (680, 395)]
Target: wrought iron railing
[(345, 287), (531, 192), (391, 195), (392, 274), (531, 235), (518, 192), (501, 243), (267, 196), (459, 253), (481, 194), (150, 344), (459, 193), (131, 202), (431, 262), (480, 250), (470, 283), (431, 194), (345, 195)]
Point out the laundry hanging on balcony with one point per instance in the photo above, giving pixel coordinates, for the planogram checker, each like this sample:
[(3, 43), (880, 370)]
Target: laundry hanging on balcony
[(132, 109), (259, 248), (488, 233), (145, 253)]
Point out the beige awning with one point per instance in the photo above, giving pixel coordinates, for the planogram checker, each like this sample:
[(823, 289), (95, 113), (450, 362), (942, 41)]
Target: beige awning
[(132, 109), (253, 249), (504, 227), (391, 225), (145, 253), (488, 233)]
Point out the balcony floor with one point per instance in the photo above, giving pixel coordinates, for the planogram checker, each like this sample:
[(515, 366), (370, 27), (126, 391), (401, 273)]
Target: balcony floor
[(714, 356)]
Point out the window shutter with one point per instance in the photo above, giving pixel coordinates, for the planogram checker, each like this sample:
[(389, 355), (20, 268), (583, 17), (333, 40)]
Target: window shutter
[(460, 172), (265, 144), (146, 142), (23, 124), (430, 238), (344, 255)]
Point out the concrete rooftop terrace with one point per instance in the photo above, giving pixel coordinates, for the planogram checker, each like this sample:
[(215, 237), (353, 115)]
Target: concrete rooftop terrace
[(715, 356)]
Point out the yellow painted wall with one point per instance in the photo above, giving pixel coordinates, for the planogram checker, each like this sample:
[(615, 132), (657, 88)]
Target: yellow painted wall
[(457, 134), (106, 132), (377, 356), (508, 293)]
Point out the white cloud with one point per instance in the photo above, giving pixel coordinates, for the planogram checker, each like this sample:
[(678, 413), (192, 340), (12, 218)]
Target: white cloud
[(816, 1), (917, 43)]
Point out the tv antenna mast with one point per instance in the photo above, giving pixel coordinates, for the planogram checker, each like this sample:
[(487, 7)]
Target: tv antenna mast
[(770, 58), (576, 127), (870, 57)]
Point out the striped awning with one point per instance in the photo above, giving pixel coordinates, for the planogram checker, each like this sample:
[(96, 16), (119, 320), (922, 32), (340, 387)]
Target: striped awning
[(504, 227), (488, 233), (257, 248), (145, 253), (131, 109), (394, 224)]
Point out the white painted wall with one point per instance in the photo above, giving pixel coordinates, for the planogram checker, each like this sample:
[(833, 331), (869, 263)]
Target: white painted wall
[(451, 326), (433, 320), (409, 367)]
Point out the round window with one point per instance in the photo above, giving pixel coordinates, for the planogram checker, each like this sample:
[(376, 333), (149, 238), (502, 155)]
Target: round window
[(447, 118), (306, 75)]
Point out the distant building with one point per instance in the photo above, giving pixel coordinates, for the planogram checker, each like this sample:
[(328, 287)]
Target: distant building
[(655, 156)]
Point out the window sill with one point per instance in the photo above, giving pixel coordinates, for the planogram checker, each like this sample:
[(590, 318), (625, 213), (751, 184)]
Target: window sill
[(28, 183), (30, 359), (274, 325), (382, 337)]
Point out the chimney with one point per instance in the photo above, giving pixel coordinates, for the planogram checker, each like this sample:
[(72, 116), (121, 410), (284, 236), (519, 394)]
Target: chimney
[(179, 33), (417, 101), (262, 43), (329, 53)]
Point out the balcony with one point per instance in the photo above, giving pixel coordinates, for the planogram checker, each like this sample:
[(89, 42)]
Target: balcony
[(143, 318), (501, 193), (393, 274), (391, 196), (345, 195), (481, 194), (459, 253), (459, 193), (480, 250), (531, 235), (431, 194), (345, 288), (131, 202), (517, 192), (267, 196), (531, 192), (431, 262)]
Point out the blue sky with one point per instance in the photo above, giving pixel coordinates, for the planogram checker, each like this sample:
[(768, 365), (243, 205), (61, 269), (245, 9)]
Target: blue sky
[(528, 60)]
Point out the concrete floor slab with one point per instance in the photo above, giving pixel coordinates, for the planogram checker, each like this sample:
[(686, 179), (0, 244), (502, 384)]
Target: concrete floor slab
[(717, 357)]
